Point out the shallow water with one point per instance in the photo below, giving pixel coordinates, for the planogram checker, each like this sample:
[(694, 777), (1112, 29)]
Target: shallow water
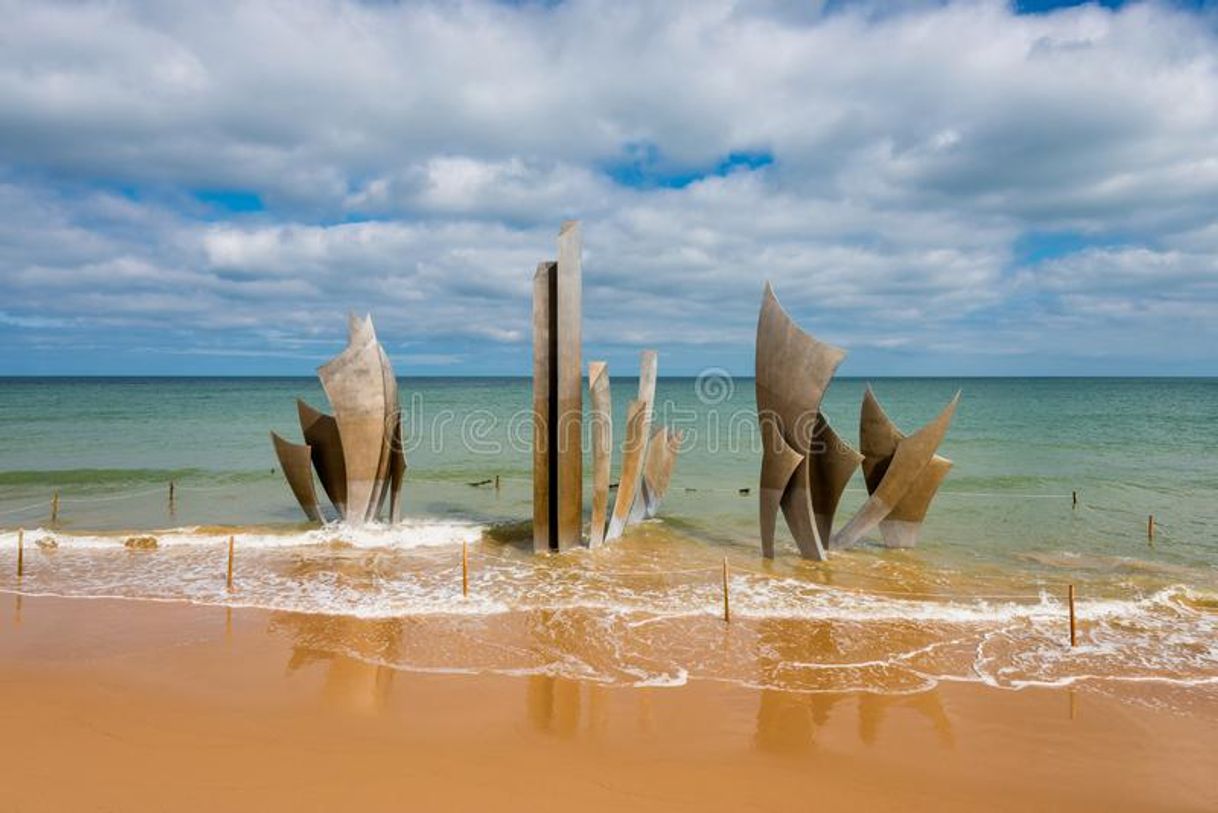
[(982, 598)]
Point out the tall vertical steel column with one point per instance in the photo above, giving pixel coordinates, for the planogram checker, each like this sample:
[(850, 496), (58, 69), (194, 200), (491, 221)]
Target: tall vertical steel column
[(558, 460)]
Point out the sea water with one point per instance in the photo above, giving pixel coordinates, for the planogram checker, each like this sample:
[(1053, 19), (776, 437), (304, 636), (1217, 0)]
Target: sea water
[(981, 598)]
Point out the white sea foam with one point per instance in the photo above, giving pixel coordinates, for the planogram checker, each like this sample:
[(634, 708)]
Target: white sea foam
[(405, 535), (561, 617)]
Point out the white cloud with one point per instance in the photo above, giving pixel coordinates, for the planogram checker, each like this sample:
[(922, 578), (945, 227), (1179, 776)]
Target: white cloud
[(912, 147)]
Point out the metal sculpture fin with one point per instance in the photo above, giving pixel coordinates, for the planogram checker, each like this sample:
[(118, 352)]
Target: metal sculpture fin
[(602, 448), (354, 383), (657, 472), (900, 474), (832, 464), (321, 434), (778, 463), (297, 464), (638, 431), (793, 371)]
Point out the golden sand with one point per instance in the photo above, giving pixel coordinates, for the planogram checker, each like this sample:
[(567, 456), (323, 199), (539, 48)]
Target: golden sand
[(127, 705)]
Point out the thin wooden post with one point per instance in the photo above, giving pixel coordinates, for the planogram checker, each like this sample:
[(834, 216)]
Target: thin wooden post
[(727, 605), (1072, 627), (171, 495), (55, 507), (464, 568), (1150, 528), (1074, 499), (20, 552), (231, 544), (496, 483)]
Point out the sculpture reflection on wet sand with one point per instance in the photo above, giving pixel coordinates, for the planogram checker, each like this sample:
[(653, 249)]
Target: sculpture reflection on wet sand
[(358, 452), (558, 421), (805, 465)]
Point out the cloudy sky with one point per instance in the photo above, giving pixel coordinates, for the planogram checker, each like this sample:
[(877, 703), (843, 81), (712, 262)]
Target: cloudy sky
[(980, 188)]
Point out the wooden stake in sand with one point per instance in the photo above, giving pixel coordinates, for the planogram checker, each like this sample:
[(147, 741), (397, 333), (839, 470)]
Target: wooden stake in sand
[(20, 552), (1072, 638), (727, 606), (55, 507), (230, 562), (464, 569), (1150, 528)]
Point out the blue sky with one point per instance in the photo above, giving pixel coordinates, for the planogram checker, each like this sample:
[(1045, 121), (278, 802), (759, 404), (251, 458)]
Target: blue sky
[(942, 188)]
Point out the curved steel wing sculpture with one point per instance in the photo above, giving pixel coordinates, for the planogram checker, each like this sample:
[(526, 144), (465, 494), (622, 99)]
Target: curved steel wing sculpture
[(397, 469), (390, 383), (321, 434), (778, 463), (793, 371), (354, 383), (638, 431), (297, 463), (901, 527), (658, 464), (648, 367), (358, 454), (831, 464), (602, 448), (633, 448), (901, 472)]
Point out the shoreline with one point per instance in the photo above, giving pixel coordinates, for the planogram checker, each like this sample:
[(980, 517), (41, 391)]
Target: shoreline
[(131, 704)]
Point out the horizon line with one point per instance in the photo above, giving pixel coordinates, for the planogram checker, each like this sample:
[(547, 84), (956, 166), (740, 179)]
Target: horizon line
[(527, 377)]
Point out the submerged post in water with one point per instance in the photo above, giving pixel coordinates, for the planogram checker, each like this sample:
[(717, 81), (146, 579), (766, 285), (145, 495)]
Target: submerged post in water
[(727, 606), (229, 580), (55, 507), (1072, 637), (20, 552)]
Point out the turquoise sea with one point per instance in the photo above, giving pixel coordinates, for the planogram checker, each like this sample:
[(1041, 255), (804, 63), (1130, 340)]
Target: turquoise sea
[(984, 590)]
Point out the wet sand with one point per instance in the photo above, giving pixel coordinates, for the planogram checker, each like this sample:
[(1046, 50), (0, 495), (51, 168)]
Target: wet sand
[(135, 705)]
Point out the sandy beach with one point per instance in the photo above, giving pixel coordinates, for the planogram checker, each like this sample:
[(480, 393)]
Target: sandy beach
[(136, 705)]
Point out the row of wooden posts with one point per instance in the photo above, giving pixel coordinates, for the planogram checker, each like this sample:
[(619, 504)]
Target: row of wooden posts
[(727, 608), (1150, 520), (727, 602)]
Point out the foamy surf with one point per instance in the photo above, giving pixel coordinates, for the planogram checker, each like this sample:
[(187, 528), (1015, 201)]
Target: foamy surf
[(406, 535), (628, 617)]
